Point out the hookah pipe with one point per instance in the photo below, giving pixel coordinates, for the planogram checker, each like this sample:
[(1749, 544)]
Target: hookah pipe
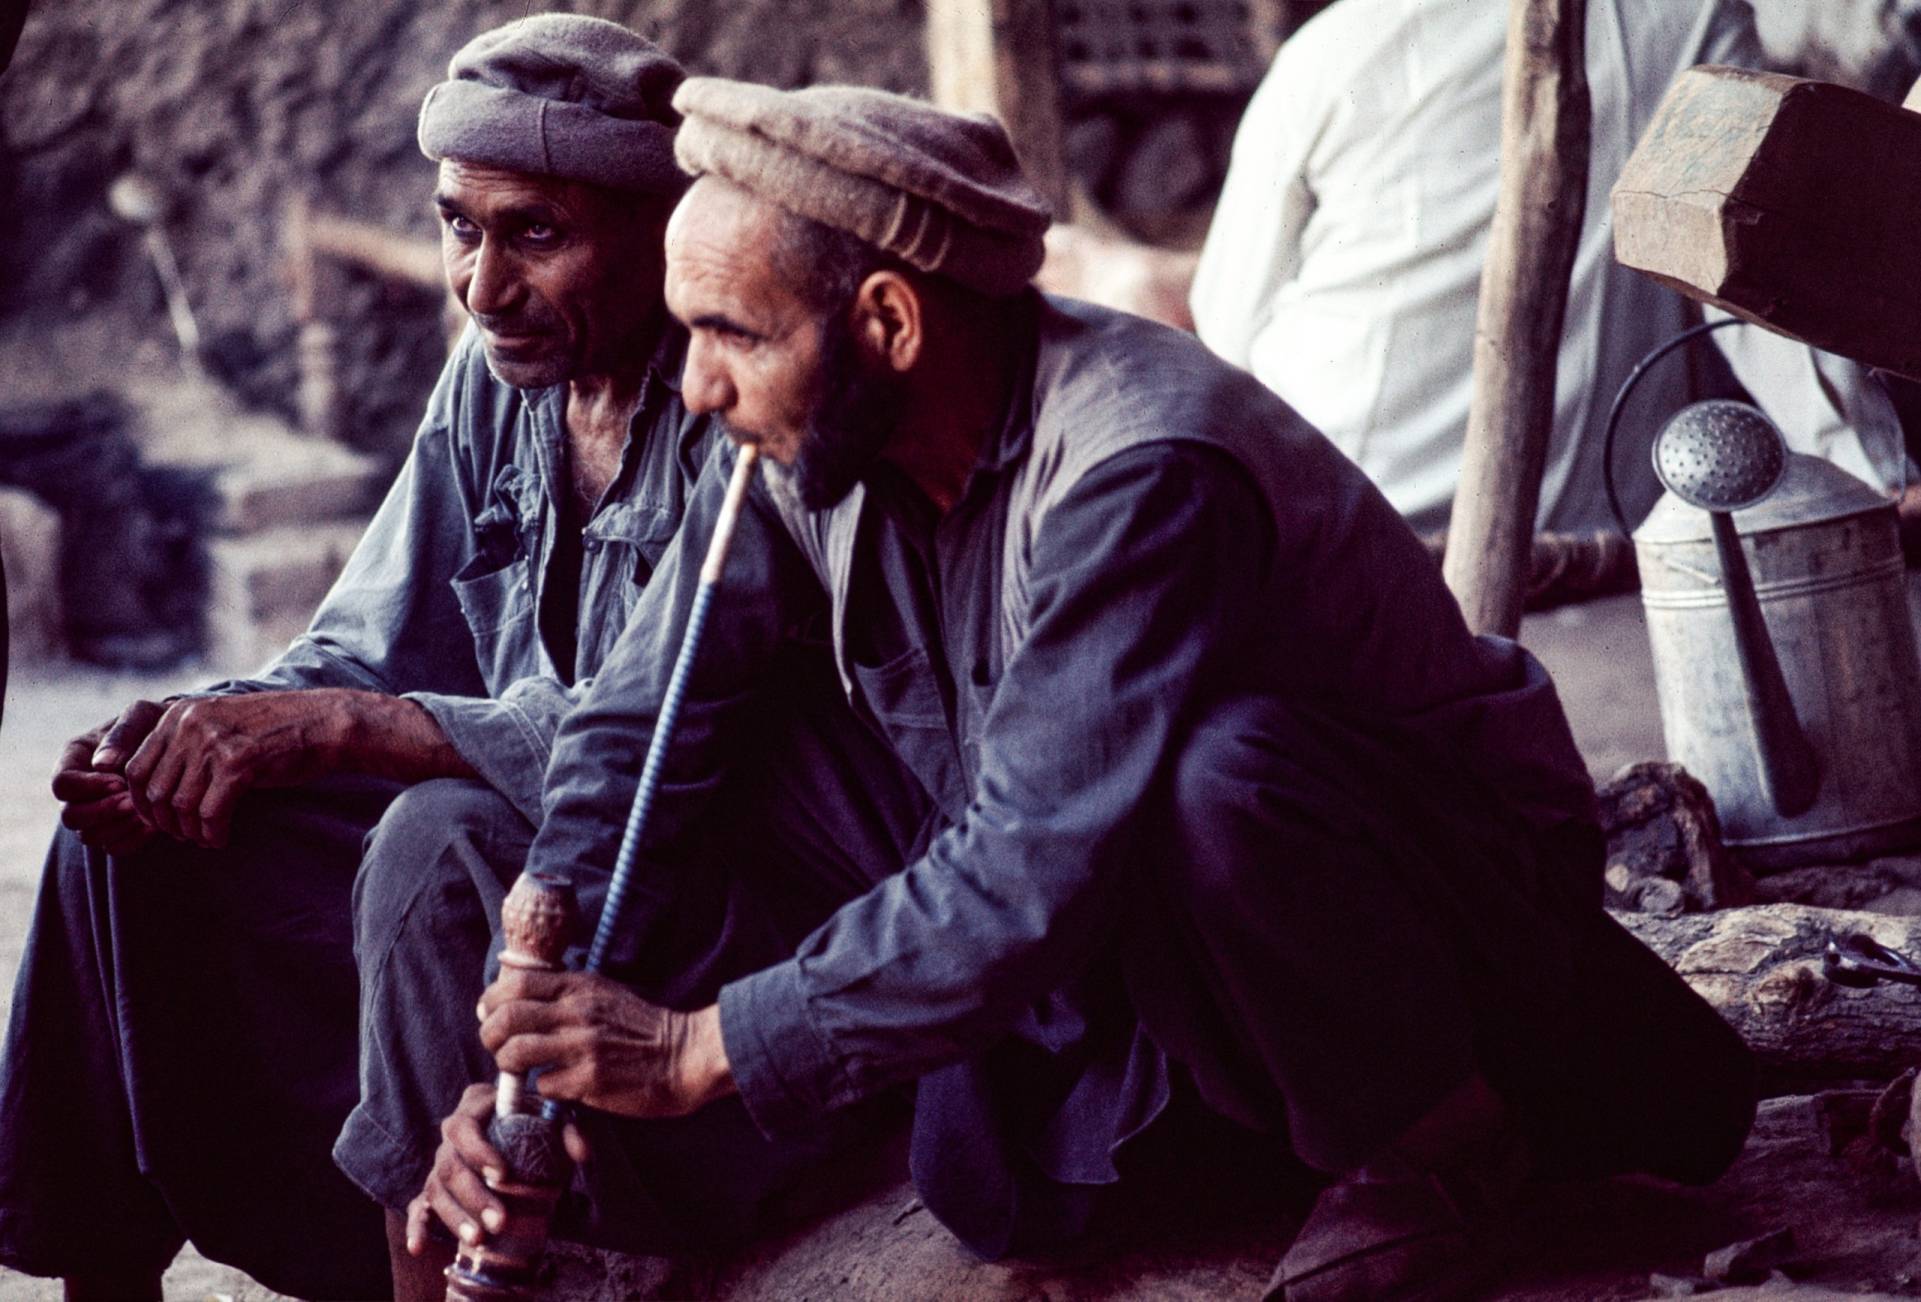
[(538, 919)]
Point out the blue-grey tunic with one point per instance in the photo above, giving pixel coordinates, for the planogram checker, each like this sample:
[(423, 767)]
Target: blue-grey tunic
[(1151, 548)]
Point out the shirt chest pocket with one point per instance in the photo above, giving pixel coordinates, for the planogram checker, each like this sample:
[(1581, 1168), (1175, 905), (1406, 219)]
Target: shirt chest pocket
[(623, 547), (905, 701), (495, 588), (633, 536)]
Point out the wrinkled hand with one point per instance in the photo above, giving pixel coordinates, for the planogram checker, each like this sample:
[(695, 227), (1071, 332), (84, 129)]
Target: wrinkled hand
[(600, 1044), (205, 752), (91, 788), (458, 1188)]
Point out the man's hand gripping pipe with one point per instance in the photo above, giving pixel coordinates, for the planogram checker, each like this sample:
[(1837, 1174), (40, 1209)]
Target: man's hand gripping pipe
[(537, 920)]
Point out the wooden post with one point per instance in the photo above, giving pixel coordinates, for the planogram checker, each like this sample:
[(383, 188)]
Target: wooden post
[(1524, 289), (998, 56)]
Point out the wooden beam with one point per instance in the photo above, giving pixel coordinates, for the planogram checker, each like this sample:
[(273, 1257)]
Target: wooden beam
[(1524, 288), (410, 259), (999, 57), (1790, 203)]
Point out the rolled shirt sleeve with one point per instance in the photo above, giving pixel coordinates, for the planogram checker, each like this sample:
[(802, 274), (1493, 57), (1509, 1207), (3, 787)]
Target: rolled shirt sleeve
[(1139, 581), (393, 622), (509, 740)]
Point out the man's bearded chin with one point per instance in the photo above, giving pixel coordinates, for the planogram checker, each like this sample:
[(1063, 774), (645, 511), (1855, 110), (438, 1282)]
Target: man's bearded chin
[(855, 409)]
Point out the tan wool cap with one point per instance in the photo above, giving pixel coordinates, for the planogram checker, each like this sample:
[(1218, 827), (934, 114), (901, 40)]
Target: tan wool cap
[(941, 191)]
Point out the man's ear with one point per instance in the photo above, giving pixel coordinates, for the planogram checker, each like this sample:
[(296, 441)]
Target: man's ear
[(890, 319)]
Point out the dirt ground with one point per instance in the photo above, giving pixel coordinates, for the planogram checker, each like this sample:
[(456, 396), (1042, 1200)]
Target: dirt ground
[(1854, 1237)]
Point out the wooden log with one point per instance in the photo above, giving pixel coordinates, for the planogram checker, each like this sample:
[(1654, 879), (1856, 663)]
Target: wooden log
[(1524, 288), (1789, 203), (1563, 568), (999, 57), (1665, 853), (1761, 969)]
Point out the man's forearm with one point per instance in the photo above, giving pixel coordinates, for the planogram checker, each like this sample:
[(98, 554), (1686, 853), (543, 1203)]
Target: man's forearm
[(392, 737)]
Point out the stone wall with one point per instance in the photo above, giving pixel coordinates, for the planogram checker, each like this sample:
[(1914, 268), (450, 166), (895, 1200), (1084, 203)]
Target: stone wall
[(233, 106)]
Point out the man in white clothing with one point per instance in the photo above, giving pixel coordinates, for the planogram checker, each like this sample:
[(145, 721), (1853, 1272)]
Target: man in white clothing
[(1344, 262)]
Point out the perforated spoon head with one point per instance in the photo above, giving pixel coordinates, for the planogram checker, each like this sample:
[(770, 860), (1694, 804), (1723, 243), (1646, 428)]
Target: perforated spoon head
[(1720, 455)]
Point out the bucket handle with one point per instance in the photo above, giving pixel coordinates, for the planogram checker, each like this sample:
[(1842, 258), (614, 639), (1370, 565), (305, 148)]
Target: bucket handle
[(1647, 363)]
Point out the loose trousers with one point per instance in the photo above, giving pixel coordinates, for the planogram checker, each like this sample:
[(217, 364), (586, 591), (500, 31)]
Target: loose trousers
[(815, 808), (181, 1054), (1319, 933)]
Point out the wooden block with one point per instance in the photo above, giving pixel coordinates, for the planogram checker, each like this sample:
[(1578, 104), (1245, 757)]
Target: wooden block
[(1791, 203)]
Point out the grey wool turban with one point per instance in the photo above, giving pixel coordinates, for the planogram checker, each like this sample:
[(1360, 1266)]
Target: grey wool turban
[(560, 95), (942, 191)]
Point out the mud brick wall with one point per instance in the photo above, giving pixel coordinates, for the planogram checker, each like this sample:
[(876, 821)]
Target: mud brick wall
[(231, 106)]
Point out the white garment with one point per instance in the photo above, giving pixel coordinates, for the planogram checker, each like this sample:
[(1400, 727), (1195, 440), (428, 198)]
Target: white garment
[(1872, 45), (1344, 262)]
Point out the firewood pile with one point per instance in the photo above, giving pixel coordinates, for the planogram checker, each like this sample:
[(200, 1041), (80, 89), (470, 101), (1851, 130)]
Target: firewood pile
[(1757, 949)]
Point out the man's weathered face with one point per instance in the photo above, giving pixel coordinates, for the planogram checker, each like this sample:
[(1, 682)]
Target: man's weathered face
[(761, 356), (561, 278)]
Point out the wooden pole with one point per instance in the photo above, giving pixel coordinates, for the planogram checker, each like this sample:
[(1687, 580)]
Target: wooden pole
[(1524, 289), (998, 56)]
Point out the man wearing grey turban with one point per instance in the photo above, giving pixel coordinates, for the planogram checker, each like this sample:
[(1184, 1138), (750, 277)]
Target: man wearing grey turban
[(182, 1052), (1235, 817)]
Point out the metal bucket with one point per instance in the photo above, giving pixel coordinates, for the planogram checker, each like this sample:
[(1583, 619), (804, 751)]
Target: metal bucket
[(1826, 559)]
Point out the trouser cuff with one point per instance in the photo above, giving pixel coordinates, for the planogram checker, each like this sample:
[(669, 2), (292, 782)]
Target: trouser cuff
[(388, 1170), (29, 1246)]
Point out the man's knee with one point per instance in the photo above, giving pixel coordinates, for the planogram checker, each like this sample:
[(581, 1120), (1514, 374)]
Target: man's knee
[(431, 814), (427, 820), (431, 879), (1245, 786), (445, 835)]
